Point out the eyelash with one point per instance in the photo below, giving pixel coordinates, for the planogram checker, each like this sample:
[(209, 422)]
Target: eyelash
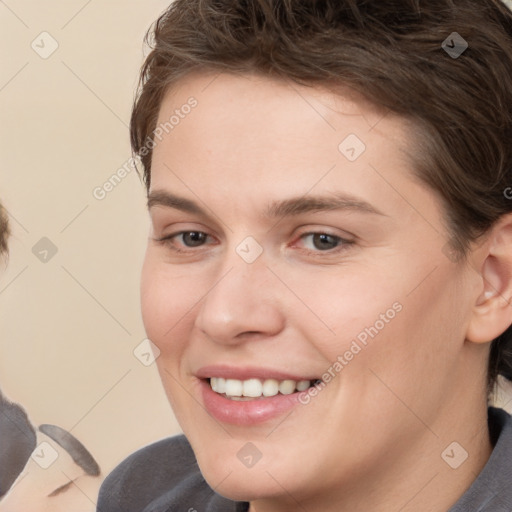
[(345, 244)]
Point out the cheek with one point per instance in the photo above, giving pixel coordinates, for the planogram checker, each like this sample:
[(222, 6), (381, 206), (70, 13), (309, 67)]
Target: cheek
[(394, 322), (416, 353), (152, 298), (339, 307), (165, 301)]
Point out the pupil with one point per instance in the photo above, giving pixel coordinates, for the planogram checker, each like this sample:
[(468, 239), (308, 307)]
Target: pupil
[(324, 238), (195, 236)]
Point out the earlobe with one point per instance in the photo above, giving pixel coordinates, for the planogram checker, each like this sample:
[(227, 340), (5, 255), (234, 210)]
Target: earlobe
[(492, 312)]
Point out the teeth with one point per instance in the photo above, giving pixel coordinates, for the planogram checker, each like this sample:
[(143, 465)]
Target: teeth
[(252, 387), (270, 387), (234, 387), (218, 385), (221, 385), (287, 387), (255, 388), (303, 385)]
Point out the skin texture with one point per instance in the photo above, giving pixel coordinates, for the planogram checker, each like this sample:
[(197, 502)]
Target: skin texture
[(373, 437)]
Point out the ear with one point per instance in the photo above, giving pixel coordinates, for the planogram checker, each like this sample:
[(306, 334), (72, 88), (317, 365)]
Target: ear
[(492, 312)]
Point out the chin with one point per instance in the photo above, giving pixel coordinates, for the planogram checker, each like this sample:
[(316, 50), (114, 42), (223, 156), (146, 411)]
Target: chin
[(229, 477), (244, 486)]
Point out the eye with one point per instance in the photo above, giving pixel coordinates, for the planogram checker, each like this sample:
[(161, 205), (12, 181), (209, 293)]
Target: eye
[(193, 238), (325, 242), (319, 241), (190, 239)]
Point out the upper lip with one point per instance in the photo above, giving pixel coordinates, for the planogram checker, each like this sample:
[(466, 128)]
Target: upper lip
[(247, 372)]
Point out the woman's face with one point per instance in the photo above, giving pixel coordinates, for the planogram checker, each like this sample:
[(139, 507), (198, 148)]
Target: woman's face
[(268, 284)]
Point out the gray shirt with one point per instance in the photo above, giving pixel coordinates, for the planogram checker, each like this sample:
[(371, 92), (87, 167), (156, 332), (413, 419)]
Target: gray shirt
[(17, 442), (165, 477)]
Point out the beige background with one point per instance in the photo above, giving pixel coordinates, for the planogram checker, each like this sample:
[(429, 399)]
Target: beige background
[(69, 326)]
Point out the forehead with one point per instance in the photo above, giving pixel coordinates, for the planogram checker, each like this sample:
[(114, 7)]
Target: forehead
[(222, 94), (263, 109), (250, 136)]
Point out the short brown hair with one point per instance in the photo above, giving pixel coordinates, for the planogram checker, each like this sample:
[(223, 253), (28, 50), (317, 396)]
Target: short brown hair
[(391, 52)]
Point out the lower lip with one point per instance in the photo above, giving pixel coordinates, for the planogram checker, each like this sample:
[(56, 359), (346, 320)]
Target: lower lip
[(248, 412)]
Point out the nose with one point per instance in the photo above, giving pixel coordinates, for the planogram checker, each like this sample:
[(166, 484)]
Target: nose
[(243, 303)]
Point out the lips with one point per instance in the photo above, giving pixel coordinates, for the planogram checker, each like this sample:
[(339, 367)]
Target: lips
[(249, 395)]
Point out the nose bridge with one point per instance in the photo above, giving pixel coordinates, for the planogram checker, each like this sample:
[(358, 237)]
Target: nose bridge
[(241, 299)]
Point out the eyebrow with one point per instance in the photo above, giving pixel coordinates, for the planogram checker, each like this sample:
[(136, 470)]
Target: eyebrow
[(290, 207)]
